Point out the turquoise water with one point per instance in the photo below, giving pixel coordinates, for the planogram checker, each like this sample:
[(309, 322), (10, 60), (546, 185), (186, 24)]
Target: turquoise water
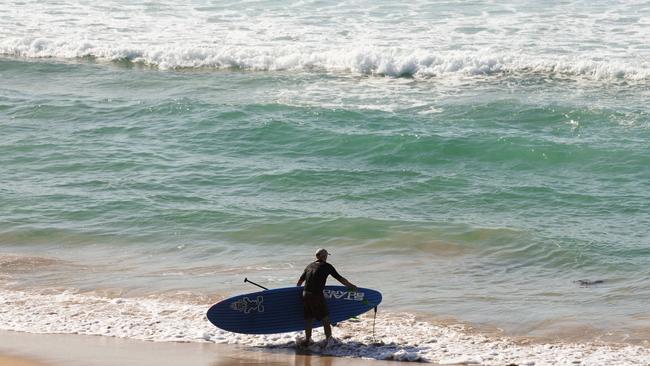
[(479, 191)]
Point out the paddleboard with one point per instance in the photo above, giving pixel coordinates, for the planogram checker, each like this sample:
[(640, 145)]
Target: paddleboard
[(281, 310)]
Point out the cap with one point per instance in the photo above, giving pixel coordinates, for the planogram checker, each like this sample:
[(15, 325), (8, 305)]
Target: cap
[(321, 251)]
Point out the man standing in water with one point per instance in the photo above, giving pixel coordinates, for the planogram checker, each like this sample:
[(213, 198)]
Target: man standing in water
[(315, 276)]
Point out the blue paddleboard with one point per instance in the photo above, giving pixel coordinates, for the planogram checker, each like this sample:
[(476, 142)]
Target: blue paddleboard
[(281, 310)]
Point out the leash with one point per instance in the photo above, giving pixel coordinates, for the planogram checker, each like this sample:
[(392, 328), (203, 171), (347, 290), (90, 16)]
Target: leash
[(374, 318)]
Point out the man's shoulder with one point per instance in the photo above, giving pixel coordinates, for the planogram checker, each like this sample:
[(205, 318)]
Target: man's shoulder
[(327, 265), (315, 264), (319, 264)]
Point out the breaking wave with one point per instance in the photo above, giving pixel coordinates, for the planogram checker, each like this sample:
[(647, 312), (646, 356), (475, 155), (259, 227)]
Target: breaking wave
[(393, 62)]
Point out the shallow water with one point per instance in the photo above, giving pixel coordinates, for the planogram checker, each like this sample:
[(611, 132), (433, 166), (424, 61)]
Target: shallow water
[(468, 161)]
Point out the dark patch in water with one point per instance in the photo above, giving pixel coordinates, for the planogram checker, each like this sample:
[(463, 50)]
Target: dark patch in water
[(587, 283)]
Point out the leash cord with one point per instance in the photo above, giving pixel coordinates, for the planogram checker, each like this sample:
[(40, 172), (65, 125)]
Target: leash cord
[(374, 318)]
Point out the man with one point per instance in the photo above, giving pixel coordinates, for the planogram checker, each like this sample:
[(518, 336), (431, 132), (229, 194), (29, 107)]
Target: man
[(315, 276)]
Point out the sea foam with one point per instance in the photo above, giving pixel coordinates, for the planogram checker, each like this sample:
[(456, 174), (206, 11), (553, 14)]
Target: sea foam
[(397, 336), (414, 40), (391, 62)]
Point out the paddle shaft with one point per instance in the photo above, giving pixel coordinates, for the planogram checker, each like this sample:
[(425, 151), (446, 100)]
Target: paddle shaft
[(249, 281)]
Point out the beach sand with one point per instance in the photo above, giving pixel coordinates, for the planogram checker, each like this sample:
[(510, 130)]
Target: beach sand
[(17, 361), (27, 349)]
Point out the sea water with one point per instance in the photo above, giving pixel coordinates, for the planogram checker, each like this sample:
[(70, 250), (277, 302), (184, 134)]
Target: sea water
[(471, 160)]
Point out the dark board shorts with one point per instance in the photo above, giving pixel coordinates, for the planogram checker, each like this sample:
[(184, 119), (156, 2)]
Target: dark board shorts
[(314, 305)]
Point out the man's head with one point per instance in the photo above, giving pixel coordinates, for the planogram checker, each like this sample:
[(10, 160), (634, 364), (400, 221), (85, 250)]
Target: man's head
[(321, 254)]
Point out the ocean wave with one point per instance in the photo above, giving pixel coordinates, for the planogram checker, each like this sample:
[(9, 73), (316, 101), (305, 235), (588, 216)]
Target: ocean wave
[(371, 61)]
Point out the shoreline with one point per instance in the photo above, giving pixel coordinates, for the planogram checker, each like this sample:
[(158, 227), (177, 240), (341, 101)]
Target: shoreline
[(448, 344), (28, 349), (138, 328)]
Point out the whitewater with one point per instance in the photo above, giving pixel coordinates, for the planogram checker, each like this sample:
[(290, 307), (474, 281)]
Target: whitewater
[(606, 42)]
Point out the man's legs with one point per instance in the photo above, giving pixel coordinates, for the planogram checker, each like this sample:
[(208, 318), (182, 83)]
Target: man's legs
[(327, 327), (316, 308), (309, 322)]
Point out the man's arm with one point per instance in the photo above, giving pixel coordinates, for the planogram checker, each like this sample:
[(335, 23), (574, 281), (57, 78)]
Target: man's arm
[(342, 279), (347, 283), (301, 280)]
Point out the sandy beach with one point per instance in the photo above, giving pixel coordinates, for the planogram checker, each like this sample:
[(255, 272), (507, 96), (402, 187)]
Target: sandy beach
[(26, 349), (17, 361)]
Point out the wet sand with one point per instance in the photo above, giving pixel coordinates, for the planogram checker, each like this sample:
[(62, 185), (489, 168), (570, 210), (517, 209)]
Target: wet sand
[(26, 349), (17, 361)]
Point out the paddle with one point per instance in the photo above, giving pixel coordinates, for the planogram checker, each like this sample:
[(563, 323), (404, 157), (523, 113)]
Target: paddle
[(249, 281)]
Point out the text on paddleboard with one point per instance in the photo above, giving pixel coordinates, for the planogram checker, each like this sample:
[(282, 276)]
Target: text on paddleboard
[(344, 295)]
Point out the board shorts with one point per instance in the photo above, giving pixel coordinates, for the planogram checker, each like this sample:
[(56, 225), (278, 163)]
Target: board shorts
[(314, 305)]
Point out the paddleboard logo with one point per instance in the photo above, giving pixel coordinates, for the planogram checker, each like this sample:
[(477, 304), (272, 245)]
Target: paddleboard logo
[(246, 305), (345, 295)]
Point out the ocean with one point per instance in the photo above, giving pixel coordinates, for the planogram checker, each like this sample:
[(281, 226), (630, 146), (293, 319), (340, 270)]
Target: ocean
[(472, 160)]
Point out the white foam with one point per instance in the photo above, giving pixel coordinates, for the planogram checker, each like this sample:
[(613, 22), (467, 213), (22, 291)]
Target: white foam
[(362, 61), (399, 336), (340, 37)]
